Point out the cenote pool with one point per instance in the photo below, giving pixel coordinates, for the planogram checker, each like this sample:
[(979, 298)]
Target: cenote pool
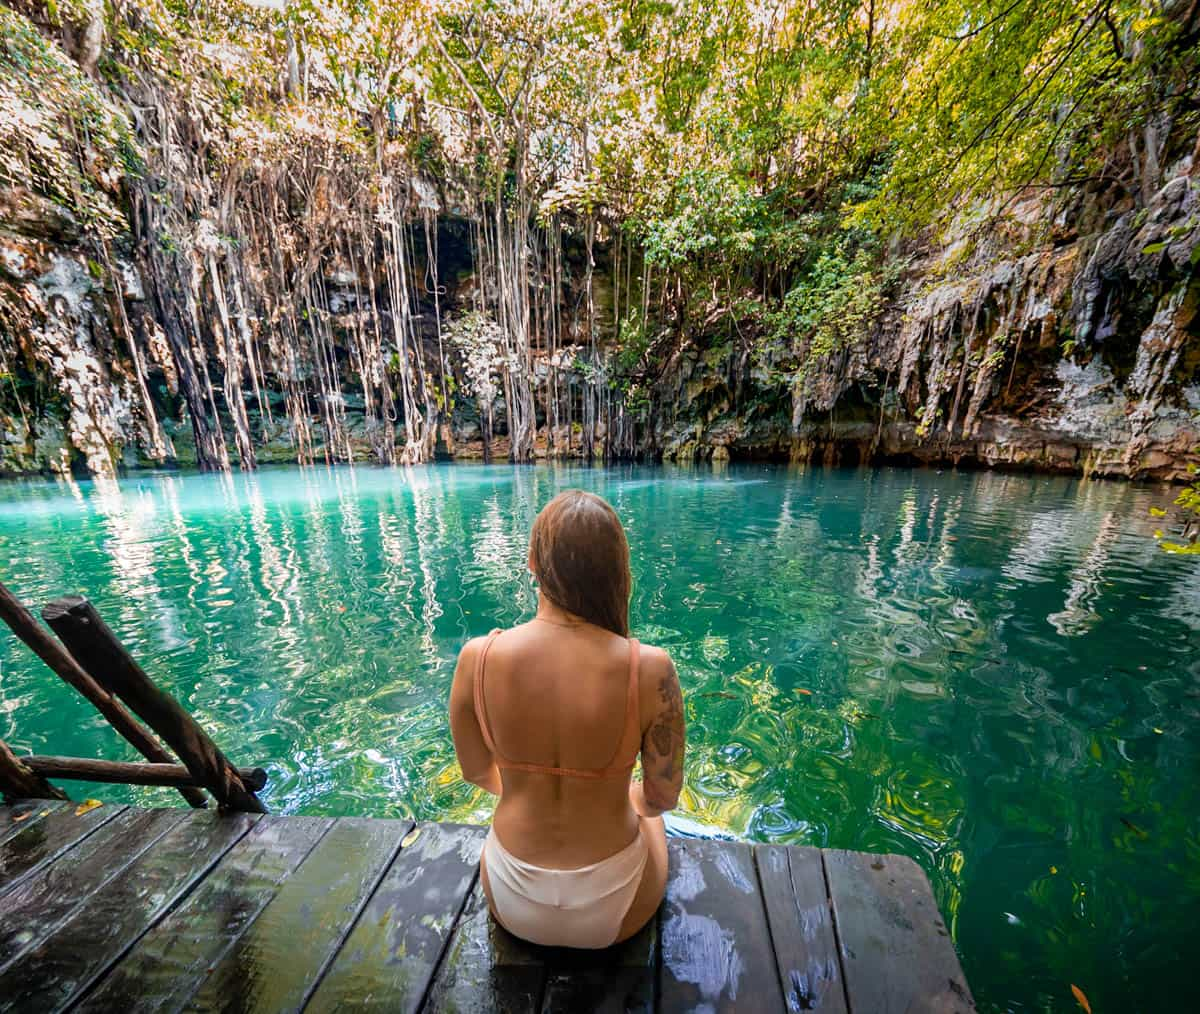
[(996, 675)]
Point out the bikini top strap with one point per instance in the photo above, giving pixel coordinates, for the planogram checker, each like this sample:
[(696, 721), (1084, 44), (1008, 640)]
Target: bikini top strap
[(480, 704), (625, 755), (633, 717)]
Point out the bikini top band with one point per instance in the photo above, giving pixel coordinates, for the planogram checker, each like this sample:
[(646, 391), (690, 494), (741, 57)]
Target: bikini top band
[(627, 747)]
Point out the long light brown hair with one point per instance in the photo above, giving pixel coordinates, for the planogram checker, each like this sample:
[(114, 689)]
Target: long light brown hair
[(580, 557)]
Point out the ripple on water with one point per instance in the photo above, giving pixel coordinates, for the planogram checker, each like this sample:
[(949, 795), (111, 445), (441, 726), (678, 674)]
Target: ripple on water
[(993, 674)]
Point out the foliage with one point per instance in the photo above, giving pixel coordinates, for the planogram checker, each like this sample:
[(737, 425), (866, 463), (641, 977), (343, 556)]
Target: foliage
[(837, 302), (727, 137), (1186, 537), (59, 135), (481, 344), (751, 176)]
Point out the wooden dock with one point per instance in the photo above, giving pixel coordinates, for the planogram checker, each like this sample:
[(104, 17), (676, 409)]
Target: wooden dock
[(124, 909)]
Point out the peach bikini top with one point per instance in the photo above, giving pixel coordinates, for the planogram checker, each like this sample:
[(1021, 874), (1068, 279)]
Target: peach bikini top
[(623, 757)]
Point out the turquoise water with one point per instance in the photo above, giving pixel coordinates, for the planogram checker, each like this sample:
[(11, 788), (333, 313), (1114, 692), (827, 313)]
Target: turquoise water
[(996, 675)]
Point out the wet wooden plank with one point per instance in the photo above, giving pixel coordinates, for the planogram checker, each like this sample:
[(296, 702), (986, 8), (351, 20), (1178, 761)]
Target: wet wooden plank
[(276, 963), (70, 960), (615, 980), (25, 813), (801, 923), (46, 839), (171, 961), (390, 956), (896, 952), (716, 948), (39, 904), (486, 969)]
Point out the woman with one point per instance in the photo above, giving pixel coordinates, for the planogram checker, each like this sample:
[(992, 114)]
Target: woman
[(550, 716)]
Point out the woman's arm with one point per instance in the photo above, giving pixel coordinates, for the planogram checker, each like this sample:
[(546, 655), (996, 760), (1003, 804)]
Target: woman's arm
[(664, 738), (474, 758)]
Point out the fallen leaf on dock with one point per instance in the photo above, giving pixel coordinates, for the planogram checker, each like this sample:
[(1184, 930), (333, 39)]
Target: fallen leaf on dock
[(1081, 998), (409, 838), (806, 693), (86, 806)]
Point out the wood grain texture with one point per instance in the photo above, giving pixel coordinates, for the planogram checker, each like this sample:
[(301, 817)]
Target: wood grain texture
[(616, 980), (126, 773), (19, 781), (487, 970), (896, 951), (390, 957), (80, 950), (42, 643), (801, 922), (127, 910), (96, 648), (45, 840), (24, 813), (276, 962), (40, 903), (716, 947), (172, 961)]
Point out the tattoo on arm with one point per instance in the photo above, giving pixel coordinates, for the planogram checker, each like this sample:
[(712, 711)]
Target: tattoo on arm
[(662, 763)]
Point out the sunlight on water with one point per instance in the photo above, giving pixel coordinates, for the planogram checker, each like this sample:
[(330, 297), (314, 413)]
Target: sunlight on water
[(996, 675)]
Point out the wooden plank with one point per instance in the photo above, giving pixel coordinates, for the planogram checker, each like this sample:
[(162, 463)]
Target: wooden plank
[(615, 980), (124, 773), (390, 957), (35, 908), (67, 963), (45, 840), (486, 969), (170, 962), (801, 923), (24, 813), (716, 947), (60, 661), (95, 647), (896, 952), (276, 963)]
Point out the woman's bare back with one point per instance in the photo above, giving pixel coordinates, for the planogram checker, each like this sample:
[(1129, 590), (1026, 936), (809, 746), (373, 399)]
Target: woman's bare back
[(555, 694)]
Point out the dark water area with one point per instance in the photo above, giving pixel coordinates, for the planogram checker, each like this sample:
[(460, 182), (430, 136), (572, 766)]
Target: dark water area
[(997, 675)]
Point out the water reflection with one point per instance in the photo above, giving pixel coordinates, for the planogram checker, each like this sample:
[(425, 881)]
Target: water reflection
[(990, 673)]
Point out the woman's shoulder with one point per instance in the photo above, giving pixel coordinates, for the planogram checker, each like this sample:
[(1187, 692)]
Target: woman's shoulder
[(653, 659), (469, 653), (658, 685), (655, 669)]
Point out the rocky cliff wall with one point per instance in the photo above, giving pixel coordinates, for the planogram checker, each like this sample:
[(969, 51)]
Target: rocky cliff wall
[(1066, 339), (227, 291), (1080, 355)]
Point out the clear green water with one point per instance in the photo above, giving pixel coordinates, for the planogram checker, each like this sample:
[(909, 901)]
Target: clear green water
[(992, 674)]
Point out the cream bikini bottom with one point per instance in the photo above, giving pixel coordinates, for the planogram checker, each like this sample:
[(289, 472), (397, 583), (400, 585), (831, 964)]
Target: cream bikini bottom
[(583, 907)]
